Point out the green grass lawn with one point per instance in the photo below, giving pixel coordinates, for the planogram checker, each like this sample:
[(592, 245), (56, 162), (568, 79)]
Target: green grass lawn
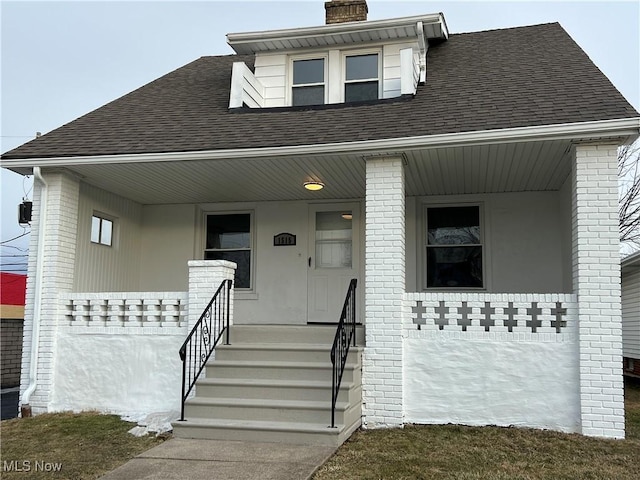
[(465, 453), (88, 445), (81, 446)]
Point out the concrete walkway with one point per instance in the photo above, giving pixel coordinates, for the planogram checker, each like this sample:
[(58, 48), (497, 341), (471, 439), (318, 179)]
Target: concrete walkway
[(180, 458)]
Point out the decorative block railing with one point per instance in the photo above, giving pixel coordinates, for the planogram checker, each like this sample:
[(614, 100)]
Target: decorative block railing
[(489, 312), (141, 310)]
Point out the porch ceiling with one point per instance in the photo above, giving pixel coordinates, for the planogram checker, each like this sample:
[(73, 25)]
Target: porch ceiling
[(525, 166)]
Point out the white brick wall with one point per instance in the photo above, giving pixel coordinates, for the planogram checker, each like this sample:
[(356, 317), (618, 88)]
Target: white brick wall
[(385, 286), (57, 276), (596, 281), (205, 276)]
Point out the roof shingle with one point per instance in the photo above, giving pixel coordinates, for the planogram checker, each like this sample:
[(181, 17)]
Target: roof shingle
[(516, 77)]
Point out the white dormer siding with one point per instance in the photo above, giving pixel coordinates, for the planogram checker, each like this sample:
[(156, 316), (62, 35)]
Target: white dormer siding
[(271, 70), (409, 72), (271, 83), (276, 51), (246, 89), (394, 69)]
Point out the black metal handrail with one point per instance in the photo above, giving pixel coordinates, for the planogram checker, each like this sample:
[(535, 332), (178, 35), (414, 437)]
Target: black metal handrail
[(345, 334), (203, 338)]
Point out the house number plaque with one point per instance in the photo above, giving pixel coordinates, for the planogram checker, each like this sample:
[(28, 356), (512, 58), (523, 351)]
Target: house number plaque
[(284, 239)]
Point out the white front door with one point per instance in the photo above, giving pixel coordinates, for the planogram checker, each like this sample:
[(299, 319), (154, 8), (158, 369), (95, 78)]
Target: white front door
[(334, 249)]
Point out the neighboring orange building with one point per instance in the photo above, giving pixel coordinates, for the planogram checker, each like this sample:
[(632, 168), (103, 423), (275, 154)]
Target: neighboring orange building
[(12, 296)]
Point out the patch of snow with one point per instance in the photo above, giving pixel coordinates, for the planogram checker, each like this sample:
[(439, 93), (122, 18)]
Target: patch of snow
[(157, 422)]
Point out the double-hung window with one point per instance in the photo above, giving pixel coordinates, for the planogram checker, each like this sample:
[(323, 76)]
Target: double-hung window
[(454, 247), (361, 78), (228, 237), (308, 82)]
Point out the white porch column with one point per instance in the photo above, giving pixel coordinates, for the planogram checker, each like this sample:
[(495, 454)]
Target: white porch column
[(596, 281), (55, 271), (384, 287), (205, 276)]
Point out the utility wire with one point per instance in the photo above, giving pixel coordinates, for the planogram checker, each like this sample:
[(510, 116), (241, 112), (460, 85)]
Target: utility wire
[(24, 189), (15, 238), (21, 249)]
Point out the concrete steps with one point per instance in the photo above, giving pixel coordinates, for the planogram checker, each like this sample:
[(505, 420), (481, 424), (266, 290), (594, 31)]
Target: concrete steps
[(274, 389), (273, 383), (261, 431)]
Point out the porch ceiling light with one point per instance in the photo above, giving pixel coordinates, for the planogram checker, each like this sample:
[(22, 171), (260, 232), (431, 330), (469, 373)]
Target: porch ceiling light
[(347, 216), (314, 186)]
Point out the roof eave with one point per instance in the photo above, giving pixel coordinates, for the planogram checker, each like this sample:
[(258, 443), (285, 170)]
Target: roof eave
[(625, 129), (434, 27)]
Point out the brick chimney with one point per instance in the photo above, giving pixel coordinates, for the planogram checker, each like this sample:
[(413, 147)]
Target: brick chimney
[(340, 11)]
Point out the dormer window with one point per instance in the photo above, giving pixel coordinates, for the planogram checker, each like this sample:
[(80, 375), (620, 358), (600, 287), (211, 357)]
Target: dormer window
[(336, 77), (308, 86), (356, 61), (361, 78)]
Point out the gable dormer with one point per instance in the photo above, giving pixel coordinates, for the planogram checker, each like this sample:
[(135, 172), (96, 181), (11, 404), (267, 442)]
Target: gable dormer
[(340, 62)]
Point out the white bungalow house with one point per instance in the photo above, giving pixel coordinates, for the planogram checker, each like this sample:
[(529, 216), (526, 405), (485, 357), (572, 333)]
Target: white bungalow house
[(466, 182)]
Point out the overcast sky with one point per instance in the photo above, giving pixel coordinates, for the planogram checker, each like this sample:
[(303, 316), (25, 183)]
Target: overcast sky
[(61, 60)]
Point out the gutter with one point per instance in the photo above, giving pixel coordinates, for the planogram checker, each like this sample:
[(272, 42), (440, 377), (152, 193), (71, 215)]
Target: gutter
[(625, 128), (25, 408), (239, 39)]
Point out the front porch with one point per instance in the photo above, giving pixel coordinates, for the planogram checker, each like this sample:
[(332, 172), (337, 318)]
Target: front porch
[(544, 266), (470, 358)]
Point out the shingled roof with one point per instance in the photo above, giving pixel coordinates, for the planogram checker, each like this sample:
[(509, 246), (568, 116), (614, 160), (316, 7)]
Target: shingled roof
[(516, 77)]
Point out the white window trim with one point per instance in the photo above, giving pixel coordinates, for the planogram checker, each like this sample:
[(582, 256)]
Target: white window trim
[(103, 217), (343, 69), (422, 254), (244, 293), (335, 72), (309, 56)]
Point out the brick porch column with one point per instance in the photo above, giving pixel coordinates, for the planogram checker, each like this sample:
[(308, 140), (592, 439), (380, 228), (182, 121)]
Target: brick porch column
[(58, 266), (384, 288), (596, 281), (205, 276)]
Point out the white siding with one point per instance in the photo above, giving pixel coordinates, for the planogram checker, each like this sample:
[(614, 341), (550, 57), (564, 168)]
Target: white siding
[(564, 198), (167, 244), (107, 269), (174, 234), (523, 240), (631, 314), (271, 70), (391, 68), (279, 273)]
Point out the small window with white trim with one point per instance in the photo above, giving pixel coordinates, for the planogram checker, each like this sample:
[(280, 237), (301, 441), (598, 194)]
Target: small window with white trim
[(308, 86), (454, 250), (362, 77), (101, 230), (228, 237)]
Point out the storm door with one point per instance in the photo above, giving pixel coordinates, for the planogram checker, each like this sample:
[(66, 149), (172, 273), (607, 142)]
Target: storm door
[(334, 251)]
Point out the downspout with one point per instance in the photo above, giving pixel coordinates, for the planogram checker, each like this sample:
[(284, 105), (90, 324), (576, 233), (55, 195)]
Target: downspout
[(25, 408)]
